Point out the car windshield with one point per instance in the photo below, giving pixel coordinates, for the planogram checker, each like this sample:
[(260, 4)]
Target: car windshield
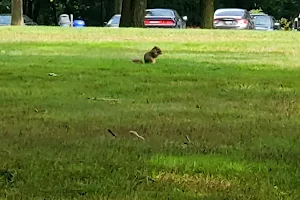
[(229, 13), (159, 13), (261, 20), (115, 20), (27, 19), (5, 19)]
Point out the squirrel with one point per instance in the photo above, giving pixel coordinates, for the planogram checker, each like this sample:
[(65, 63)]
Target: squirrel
[(150, 56)]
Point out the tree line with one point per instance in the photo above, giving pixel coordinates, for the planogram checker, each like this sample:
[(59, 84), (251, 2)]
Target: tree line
[(96, 12)]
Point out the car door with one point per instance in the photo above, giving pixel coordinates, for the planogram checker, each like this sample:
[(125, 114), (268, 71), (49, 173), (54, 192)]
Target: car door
[(250, 20), (178, 20), (273, 21)]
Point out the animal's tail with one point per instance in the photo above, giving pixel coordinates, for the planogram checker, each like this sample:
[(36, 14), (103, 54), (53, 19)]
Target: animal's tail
[(137, 61)]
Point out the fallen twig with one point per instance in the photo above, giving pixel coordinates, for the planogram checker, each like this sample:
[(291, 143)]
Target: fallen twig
[(188, 139), (52, 74), (111, 133), (104, 99), (137, 135)]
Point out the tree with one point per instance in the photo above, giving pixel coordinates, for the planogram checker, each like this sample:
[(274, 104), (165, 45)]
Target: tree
[(113, 7), (117, 6), (17, 13), (133, 13), (207, 13)]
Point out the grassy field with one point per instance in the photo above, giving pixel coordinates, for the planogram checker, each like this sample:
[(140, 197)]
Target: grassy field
[(234, 94)]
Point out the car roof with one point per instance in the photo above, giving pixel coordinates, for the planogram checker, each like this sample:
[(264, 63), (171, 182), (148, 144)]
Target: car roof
[(263, 14), (233, 9), (167, 9), (149, 9), (8, 14)]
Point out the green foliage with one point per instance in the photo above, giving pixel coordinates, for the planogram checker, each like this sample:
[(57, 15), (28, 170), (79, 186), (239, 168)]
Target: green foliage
[(285, 24), (255, 11), (233, 94), (5, 6)]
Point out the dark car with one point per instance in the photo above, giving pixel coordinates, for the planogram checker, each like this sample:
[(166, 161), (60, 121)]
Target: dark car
[(5, 20), (265, 22), (155, 18), (233, 18), (168, 18)]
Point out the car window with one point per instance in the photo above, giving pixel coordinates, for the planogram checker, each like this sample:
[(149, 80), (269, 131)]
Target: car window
[(5, 19), (261, 20), (159, 13), (230, 13), (177, 15), (114, 20)]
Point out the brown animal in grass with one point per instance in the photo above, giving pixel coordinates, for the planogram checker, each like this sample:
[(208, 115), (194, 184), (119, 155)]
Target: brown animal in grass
[(150, 56)]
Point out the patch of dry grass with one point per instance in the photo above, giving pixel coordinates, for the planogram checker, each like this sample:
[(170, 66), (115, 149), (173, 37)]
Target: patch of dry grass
[(199, 183)]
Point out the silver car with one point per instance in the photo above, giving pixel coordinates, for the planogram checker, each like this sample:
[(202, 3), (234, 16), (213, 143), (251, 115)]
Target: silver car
[(5, 20), (265, 22), (113, 22), (233, 18)]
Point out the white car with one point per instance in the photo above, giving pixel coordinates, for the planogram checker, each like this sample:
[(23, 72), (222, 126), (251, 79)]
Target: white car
[(296, 25)]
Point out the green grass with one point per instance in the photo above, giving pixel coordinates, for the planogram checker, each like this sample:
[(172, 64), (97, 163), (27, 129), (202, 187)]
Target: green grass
[(235, 94)]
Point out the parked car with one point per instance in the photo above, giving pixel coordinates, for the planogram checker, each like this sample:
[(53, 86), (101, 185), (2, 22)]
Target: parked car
[(265, 22), (296, 24), (113, 22), (160, 17), (233, 18), (5, 20), (156, 18)]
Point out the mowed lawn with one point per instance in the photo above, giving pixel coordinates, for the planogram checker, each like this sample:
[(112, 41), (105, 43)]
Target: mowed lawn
[(219, 113)]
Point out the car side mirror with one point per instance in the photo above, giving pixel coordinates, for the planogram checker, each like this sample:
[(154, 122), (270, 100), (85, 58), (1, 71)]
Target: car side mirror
[(185, 18)]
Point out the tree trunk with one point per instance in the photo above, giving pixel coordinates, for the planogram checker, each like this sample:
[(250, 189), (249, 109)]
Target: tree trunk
[(113, 7), (207, 10), (118, 6), (53, 6), (29, 8), (110, 9), (25, 4), (17, 13), (133, 13), (125, 20), (36, 10)]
